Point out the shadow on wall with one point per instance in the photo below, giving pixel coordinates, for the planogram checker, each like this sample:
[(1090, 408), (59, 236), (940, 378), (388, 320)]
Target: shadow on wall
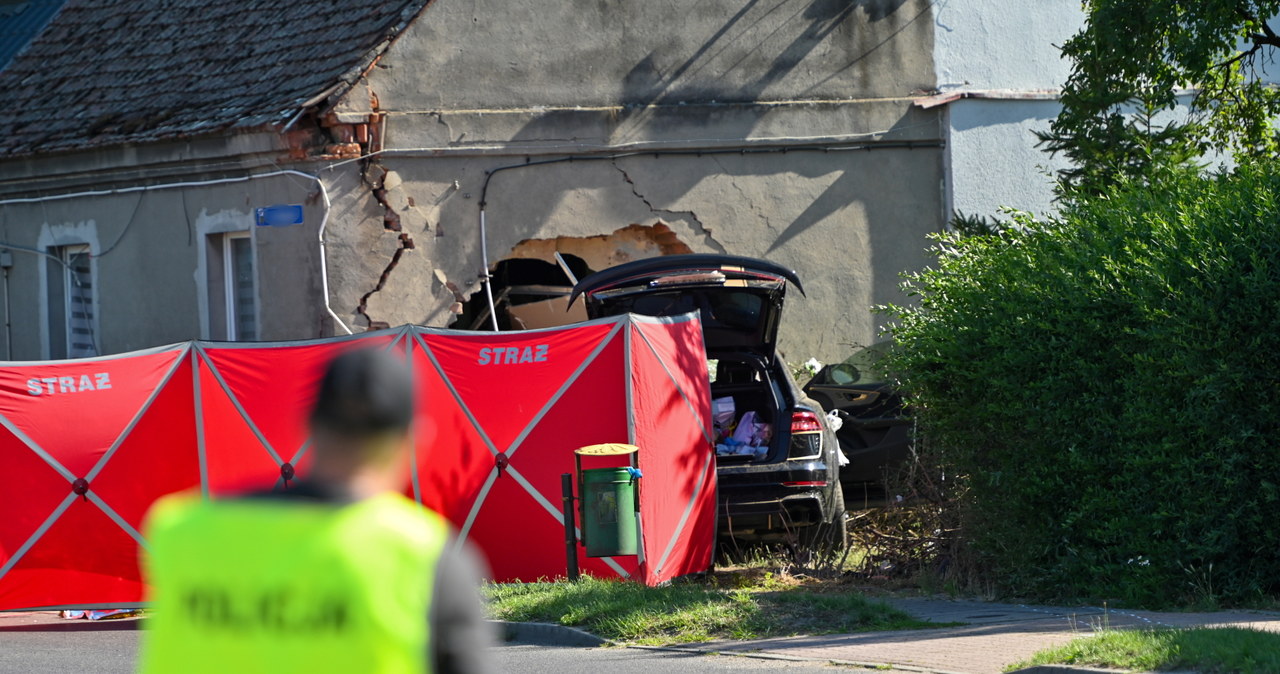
[(647, 85), (878, 10), (658, 98), (811, 24)]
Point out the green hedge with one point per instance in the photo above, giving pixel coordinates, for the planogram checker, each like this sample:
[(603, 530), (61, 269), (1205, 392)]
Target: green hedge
[(1106, 386)]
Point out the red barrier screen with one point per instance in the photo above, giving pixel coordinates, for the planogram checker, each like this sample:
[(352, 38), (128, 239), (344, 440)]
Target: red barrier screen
[(87, 445)]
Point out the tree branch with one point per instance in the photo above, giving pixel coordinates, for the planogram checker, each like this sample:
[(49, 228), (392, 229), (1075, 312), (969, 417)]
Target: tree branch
[(1242, 55), (1267, 38), (1266, 30)]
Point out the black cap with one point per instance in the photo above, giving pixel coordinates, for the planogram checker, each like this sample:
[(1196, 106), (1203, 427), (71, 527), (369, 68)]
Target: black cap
[(364, 392)]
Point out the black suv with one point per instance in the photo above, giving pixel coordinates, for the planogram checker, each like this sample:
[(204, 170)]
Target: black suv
[(777, 467)]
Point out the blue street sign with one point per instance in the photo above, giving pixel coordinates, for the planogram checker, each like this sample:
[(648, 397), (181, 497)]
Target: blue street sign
[(280, 216)]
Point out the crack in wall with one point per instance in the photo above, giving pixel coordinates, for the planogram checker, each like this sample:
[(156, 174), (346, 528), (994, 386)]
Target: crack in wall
[(390, 219), (458, 298), (734, 183), (763, 215), (391, 223), (406, 243), (695, 223)]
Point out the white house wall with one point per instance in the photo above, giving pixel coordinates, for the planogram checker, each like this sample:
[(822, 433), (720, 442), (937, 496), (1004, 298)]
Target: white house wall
[(1008, 47), (997, 44), (1006, 52), (995, 163)]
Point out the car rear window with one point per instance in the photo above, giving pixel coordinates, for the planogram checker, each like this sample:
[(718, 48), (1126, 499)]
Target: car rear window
[(733, 310), (736, 310), (660, 304)]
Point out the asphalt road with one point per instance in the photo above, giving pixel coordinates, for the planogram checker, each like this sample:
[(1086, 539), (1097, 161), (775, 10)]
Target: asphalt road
[(77, 646), (110, 647), (570, 660)]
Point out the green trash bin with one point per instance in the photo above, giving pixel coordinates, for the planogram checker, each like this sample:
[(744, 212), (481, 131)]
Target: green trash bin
[(608, 500)]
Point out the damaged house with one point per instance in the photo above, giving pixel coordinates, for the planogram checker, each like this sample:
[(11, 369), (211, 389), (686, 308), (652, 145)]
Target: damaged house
[(255, 170)]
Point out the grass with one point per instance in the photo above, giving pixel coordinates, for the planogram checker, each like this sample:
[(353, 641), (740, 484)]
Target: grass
[(734, 606), (1210, 650)]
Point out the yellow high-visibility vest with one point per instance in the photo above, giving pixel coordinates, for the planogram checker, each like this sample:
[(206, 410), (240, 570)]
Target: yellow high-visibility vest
[(264, 585)]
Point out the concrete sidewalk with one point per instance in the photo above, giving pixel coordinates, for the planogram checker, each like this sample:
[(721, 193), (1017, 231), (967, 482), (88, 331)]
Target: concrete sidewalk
[(993, 636)]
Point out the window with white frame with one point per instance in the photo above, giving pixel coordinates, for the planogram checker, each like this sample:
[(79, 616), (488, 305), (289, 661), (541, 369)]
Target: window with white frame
[(70, 297), (233, 307)]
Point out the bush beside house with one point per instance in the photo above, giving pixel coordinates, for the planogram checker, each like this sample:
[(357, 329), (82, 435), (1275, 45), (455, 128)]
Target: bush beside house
[(1105, 386)]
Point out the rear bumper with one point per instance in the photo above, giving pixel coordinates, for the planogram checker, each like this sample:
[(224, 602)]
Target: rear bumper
[(773, 500), (770, 517)]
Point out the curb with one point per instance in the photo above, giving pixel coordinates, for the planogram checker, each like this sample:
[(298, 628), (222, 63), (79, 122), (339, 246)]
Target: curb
[(549, 634), (546, 634), (1066, 669), (1077, 669)]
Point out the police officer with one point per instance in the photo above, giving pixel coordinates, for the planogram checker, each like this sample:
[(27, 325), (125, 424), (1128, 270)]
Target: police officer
[(339, 573)]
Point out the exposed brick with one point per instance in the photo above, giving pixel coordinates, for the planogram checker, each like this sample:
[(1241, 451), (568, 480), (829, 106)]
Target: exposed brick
[(343, 150)]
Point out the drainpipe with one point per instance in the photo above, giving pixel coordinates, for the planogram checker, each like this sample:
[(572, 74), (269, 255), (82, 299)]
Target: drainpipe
[(324, 220), (324, 265)]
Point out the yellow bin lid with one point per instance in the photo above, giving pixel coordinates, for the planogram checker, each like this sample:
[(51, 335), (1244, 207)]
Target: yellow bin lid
[(606, 449)]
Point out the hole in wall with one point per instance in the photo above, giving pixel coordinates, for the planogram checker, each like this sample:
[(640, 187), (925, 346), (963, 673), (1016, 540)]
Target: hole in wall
[(530, 290)]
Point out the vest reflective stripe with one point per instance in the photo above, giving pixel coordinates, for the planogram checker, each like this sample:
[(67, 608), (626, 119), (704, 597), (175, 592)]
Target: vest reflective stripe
[(276, 586)]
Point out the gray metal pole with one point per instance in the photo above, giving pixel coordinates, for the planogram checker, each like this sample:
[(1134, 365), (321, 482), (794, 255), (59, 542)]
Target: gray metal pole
[(570, 535), (488, 280)]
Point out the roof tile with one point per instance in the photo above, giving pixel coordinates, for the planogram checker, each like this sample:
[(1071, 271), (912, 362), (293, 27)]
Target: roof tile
[(106, 72)]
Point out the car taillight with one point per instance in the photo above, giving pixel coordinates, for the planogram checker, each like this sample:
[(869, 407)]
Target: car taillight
[(804, 421), (806, 435), (807, 483)]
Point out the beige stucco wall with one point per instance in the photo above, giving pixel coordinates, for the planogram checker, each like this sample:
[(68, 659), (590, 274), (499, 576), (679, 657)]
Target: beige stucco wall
[(849, 222), (478, 85)]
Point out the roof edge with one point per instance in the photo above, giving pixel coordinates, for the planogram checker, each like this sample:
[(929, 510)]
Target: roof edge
[(349, 79)]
